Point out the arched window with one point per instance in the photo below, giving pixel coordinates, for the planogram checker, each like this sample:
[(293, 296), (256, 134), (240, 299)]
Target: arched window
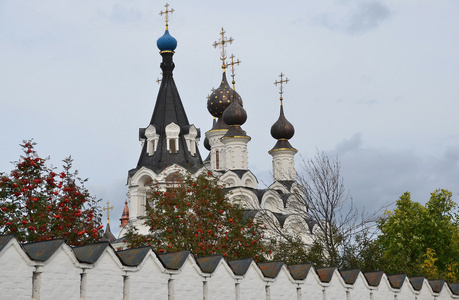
[(172, 133)]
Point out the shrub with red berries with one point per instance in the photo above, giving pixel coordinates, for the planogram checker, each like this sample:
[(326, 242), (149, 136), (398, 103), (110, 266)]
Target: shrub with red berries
[(38, 203), (195, 214)]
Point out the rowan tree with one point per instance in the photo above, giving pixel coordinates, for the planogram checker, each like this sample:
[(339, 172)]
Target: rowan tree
[(195, 214), (38, 202)]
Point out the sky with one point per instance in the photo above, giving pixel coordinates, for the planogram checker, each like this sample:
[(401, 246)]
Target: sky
[(372, 83)]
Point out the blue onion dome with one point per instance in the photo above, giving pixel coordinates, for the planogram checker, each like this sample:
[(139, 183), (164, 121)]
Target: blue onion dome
[(167, 42), (235, 114), (282, 129), (220, 99)]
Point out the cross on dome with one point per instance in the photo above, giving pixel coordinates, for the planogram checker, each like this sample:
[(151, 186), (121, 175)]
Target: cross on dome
[(108, 208), (281, 82), (167, 12), (232, 64), (222, 42)]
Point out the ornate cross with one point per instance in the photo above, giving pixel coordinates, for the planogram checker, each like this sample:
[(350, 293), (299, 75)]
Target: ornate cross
[(222, 41), (232, 63), (108, 208), (281, 82), (167, 12)]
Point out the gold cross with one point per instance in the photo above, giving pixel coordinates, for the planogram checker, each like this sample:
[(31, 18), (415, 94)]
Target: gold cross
[(222, 41), (159, 80), (108, 208), (167, 12), (232, 63), (281, 82)]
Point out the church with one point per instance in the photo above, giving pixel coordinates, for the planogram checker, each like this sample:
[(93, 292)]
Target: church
[(169, 145)]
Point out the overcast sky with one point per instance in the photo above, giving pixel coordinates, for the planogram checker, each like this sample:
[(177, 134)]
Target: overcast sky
[(374, 82)]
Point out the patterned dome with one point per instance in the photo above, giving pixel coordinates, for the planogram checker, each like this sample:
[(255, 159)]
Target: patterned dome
[(167, 42), (220, 99), (282, 129)]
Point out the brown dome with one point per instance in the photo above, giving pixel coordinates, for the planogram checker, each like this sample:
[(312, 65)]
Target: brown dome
[(235, 114), (282, 129)]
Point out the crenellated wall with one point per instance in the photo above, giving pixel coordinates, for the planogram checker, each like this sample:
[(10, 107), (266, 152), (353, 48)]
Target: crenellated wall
[(54, 270)]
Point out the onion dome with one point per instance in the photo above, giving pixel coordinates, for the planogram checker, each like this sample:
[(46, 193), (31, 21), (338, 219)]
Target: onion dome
[(167, 42), (282, 129), (235, 114), (220, 99)]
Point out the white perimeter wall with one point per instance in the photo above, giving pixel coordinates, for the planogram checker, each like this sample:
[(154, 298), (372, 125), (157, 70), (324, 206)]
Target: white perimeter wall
[(108, 278)]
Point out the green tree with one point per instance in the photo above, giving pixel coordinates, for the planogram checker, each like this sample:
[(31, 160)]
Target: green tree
[(39, 203), (195, 214), (421, 239)]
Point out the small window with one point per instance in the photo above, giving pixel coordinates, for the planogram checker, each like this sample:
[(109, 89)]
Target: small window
[(172, 147)]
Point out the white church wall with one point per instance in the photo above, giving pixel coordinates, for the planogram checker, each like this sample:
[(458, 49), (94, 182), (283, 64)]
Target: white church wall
[(188, 281), (425, 293), (283, 286), (335, 289), (148, 280), (60, 278), (252, 285), (383, 291), (360, 289), (221, 283), (15, 272), (312, 287), (105, 279)]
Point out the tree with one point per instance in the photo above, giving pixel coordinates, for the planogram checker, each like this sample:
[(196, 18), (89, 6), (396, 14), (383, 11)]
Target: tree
[(422, 239), (39, 203), (322, 200), (195, 214)]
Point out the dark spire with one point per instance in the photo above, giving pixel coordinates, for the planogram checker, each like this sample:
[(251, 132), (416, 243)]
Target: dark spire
[(168, 109), (108, 235)]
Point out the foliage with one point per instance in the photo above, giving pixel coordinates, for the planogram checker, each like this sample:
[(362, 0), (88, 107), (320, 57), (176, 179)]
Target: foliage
[(290, 250), (421, 239), (195, 214), (39, 203)]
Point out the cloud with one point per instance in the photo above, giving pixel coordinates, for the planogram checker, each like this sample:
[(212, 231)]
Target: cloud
[(358, 19), (375, 176)]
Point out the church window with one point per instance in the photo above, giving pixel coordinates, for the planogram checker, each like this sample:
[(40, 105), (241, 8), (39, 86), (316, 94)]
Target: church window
[(217, 160), (152, 139), (190, 139), (172, 134)]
